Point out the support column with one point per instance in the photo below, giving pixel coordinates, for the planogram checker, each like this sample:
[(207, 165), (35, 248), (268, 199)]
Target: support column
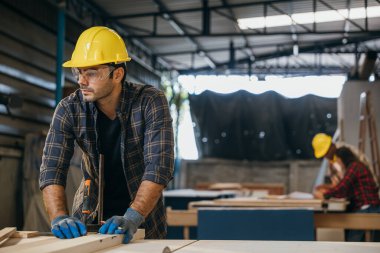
[(60, 74)]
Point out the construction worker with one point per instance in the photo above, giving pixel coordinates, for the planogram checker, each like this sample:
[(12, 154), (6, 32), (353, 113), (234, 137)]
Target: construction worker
[(324, 147), (357, 183), (129, 124)]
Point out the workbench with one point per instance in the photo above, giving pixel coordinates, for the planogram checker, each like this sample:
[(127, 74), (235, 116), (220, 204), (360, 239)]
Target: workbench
[(179, 200), (335, 220), (315, 204), (47, 244)]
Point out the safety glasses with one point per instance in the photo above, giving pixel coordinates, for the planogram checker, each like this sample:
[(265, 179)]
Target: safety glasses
[(92, 75)]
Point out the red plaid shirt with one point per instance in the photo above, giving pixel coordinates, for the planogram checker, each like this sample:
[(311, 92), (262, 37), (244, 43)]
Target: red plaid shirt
[(357, 186)]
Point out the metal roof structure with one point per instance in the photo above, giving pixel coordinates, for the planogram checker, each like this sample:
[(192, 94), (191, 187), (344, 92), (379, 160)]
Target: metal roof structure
[(203, 36)]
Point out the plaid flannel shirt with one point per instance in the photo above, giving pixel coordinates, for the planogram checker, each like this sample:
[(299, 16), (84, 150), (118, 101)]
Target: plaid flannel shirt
[(147, 147), (357, 186)]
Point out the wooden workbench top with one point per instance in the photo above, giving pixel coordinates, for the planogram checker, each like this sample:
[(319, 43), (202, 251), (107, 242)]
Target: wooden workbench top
[(315, 204), (279, 247), (48, 244)]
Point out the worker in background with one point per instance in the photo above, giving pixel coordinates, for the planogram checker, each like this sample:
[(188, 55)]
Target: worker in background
[(357, 185), (129, 124)]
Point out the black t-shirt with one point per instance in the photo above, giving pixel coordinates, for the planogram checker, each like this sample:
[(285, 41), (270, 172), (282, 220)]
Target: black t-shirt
[(116, 195)]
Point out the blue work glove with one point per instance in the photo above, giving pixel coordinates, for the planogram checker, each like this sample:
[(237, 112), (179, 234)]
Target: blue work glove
[(65, 226), (127, 224)]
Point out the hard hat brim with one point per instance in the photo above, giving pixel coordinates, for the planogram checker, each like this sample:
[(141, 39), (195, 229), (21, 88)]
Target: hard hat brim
[(73, 64)]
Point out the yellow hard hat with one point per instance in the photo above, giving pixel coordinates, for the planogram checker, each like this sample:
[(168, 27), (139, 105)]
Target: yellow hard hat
[(321, 144), (98, 45)]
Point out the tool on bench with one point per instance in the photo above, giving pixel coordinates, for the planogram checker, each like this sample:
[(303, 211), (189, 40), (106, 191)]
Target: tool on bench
[(86, 198)]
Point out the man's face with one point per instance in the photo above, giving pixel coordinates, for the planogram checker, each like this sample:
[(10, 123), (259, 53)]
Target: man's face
[(94, 82)]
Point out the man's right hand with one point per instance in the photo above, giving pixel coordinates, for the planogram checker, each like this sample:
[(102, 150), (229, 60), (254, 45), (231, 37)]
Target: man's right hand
[(67, 227)]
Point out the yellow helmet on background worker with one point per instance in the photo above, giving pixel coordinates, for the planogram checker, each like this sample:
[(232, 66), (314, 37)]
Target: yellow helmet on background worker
[(98, 45), (321, 144)]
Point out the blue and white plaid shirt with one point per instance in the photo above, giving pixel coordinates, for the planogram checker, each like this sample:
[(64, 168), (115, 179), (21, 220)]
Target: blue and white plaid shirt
[(147, 146)]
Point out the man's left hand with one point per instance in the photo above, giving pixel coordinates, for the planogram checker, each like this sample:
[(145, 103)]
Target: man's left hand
[(127, 224)]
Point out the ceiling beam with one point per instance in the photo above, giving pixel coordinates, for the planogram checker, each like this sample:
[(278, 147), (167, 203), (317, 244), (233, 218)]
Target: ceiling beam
[(347, 19), (182, 31), (250, 52), (99, 13), (286, 52), (278, 45), (290, 16), (168, 36)]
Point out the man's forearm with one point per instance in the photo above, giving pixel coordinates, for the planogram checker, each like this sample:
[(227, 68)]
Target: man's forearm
[(147, 196), (54, 200)]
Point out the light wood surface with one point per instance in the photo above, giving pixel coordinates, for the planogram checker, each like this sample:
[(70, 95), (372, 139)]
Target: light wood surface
[(279, 247), (150, 246), (5, 233), (193, 246), (271, 188), (252, 202), (83, 244), (321, 220), (348, 220), (24, 243), (89, 243), (25, 234), (273, 201)]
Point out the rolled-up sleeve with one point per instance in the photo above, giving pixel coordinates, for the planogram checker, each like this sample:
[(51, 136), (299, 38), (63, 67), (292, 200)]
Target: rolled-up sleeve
[(158, 141), (58, 150)]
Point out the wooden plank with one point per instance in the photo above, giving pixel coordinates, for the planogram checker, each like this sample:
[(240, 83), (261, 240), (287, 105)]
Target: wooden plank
[(365, 221), (25, 234), (26, 242), (10, 152), (89, 243), (5, 233), (187, 218), (273, 188), (139, 235), (250, 202), (182, 218)]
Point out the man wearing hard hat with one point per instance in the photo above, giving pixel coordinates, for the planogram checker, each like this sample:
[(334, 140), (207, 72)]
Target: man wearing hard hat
[(129, 124), (357, 183)]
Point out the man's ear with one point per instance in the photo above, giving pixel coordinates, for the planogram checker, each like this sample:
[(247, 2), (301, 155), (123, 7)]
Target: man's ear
[(118, 74)]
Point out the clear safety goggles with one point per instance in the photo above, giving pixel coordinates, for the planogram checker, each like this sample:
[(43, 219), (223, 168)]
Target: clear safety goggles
[(92, 75)]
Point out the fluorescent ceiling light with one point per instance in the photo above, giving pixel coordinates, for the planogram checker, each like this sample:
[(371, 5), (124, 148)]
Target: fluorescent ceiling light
[(309, 17)]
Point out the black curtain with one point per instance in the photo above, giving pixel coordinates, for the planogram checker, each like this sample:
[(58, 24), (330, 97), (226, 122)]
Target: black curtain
[(265, 127)]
